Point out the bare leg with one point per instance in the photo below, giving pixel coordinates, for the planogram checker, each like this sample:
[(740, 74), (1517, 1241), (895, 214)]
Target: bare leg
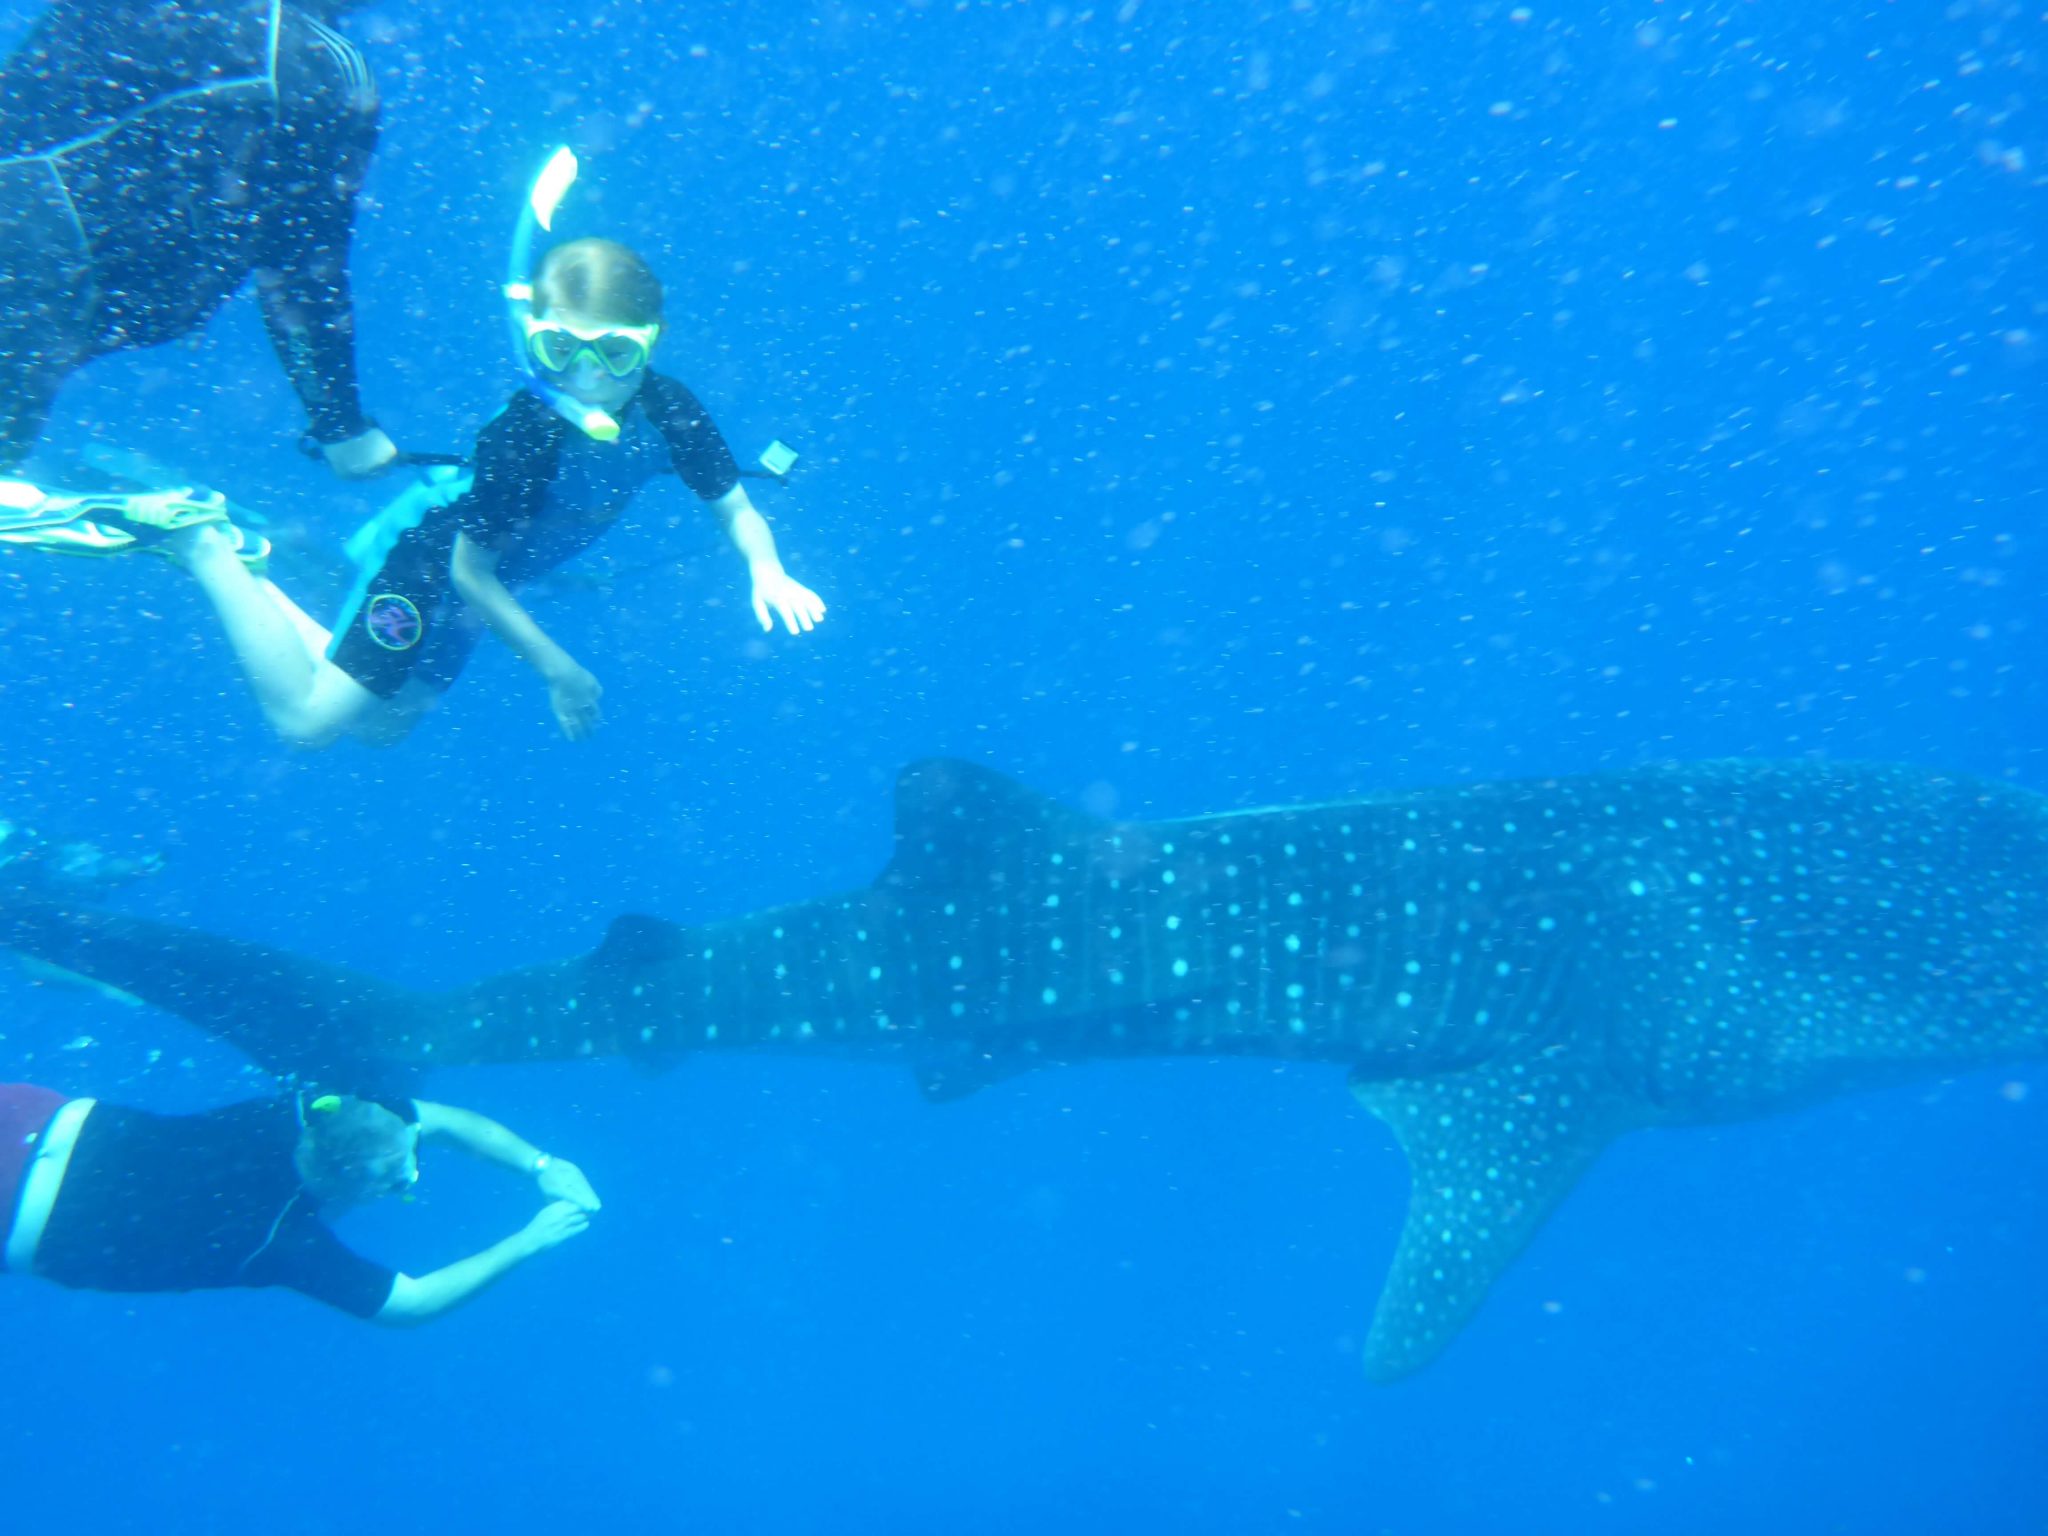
[(309, 701)]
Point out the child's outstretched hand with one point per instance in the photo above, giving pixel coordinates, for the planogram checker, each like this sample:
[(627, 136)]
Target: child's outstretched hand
[(574, 694), (779, 595)]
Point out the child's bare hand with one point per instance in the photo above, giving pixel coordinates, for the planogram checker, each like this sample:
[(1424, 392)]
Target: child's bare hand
[(777, 594), (574, 695)]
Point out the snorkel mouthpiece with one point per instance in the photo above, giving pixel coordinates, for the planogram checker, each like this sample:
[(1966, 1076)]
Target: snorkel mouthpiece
[(594, 421)]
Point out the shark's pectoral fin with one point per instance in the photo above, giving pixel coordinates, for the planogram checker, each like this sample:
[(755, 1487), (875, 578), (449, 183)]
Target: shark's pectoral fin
[(1490, 1151), (946, 1075)]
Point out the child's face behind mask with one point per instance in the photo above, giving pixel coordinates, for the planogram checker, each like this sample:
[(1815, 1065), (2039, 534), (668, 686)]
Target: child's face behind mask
[(589, 384), (586, 380)]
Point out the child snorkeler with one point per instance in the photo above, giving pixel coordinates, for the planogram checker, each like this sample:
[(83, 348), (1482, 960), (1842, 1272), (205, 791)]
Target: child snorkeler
[(546, 487), (544, 491)]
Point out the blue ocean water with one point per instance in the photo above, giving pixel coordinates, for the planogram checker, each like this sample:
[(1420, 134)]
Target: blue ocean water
[(1201, 408)]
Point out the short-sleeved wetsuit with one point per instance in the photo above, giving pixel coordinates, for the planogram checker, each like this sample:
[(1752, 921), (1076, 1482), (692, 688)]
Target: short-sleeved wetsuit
[(543, 493), (153, 154), (199, 1202)]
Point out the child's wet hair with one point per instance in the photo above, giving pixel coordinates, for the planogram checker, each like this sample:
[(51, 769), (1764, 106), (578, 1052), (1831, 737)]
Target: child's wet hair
[(599, 280)]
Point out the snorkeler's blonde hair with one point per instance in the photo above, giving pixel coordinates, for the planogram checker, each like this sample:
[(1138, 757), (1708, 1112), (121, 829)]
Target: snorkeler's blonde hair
[(599, 279), (344, 1136)]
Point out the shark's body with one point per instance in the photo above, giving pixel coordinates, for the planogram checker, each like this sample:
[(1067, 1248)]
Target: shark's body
[(1514, 973)]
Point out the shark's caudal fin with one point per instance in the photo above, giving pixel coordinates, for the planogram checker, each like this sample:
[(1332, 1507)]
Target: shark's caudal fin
[(1491, 1151), (290, 1014)]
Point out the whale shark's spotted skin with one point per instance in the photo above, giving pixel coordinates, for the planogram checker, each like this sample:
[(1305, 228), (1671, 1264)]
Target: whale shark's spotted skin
[(1514, 973)]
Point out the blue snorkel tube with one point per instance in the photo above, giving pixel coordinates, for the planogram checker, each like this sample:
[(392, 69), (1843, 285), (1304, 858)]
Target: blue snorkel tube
[(556, 177)]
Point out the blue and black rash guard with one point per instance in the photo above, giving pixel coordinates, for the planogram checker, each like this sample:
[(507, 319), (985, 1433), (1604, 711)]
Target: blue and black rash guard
[(153, 155), (543, 492), (200, 1202)]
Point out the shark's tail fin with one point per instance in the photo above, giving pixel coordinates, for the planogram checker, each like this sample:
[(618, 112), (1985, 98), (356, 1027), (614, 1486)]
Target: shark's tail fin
[(290, 1014)]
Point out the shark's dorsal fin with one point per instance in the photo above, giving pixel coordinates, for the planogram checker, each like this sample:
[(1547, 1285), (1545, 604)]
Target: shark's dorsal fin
[(959, 823), (635, 948), (1491, 1150), (634, 943)]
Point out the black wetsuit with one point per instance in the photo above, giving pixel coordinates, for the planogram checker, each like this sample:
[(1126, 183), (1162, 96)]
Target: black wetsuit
[(543, 493), (199, 1202), (154, 154)]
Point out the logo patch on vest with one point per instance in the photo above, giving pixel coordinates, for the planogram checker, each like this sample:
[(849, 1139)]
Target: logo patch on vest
[(393, 622)]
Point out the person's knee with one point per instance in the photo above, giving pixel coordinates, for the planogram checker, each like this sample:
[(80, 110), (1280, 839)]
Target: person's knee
[(389, 725), (308, 723), (321, 723), (303, 729), (334, 705)]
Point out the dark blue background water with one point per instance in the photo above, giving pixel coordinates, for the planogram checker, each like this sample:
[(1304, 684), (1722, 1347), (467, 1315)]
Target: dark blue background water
[(1201, 408)]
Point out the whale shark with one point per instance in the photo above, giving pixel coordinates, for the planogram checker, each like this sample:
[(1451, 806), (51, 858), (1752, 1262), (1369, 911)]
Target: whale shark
[(1514, 974)]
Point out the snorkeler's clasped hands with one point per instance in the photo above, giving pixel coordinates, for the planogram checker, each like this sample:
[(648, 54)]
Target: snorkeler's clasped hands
[(561, 1179), (571, 1204), (777, 594)]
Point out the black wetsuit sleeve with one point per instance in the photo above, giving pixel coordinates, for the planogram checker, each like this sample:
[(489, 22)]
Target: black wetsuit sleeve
[(306, 1257), (516, 457), (695, 445), (64, 77), (86, 64), (317, 157)]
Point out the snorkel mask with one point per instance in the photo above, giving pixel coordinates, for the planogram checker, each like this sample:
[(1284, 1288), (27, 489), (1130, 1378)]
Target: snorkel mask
[(556, 177), (555, 346)]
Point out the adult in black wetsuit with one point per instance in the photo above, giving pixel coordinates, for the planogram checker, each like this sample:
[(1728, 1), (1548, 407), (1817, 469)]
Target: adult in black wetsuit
[(154, 154), (107, 1198)]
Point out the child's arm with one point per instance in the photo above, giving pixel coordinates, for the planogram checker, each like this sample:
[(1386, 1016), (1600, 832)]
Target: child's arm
[(572, 690), (774, 588)]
